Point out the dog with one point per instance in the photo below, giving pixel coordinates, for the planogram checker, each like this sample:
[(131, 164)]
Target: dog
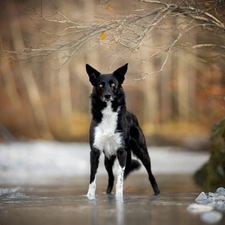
[(114, 131)]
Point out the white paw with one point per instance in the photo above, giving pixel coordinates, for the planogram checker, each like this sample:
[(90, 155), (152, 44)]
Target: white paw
[(119, 193), (91, 189), (90, 196)]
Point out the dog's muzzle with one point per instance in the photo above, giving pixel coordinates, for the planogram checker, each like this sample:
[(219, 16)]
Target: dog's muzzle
[(107, 98)]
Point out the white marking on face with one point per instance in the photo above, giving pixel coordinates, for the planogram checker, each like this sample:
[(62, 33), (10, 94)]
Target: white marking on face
[(119, 184), (91, 189), (106, 138)]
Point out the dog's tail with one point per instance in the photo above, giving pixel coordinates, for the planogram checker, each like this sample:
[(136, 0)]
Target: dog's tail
[(134, 165)]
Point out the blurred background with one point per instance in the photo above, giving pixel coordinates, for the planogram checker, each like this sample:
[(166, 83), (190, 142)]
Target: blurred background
[(46, 95), (39, 101)]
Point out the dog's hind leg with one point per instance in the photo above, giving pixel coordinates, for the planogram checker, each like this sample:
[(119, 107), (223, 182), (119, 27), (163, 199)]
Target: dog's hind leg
[(94, 161), (109, 162), (147, 164), (145, 159), (140, 150)]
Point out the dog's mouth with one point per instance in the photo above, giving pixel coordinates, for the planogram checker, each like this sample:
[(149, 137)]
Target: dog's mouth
[(107, 98)]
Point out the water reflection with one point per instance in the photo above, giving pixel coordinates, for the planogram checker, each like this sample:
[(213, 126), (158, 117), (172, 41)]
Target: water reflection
[(120, 210), (93, 212), (113, 208), (134, 209), (56, 205)]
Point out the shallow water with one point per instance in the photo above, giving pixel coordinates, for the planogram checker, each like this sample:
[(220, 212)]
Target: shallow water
[(67, 203), (46, 183)]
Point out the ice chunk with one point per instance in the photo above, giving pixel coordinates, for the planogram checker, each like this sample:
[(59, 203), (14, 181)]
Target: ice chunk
[(221, 191), (211, 217), (201, 198), (198, 208)]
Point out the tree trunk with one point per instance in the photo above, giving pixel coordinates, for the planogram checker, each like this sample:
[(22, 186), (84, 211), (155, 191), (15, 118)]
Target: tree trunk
[(10, 85), (182, 89), (65, 99), (30, 83)]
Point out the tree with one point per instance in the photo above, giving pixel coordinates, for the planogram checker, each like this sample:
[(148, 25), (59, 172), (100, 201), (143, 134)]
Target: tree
[(212, 174), (129, 33), (153, 31)]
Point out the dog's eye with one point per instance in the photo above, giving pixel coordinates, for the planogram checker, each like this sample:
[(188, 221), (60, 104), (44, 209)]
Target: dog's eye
[(101, 85), (113, 85)]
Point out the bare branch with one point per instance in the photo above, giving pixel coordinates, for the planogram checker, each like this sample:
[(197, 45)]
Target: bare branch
[(127, 33), (208, 45)]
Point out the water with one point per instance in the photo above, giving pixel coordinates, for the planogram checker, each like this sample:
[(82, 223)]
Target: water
[(66, 203), (46, 183)]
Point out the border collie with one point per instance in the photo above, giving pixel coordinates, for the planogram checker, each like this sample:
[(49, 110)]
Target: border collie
[(114, 131)]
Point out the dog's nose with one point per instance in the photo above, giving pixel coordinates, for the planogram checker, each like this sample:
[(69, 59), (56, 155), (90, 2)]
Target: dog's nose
[(107, 97)]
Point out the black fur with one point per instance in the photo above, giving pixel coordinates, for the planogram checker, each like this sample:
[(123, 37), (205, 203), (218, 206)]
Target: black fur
[(108, 87)]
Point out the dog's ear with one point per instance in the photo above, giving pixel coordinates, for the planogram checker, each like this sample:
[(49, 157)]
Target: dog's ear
[(120, 73), (92, 73)]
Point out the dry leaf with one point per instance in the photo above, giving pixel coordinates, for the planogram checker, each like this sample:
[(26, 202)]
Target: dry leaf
[(110, 46), (215, 9), (206, 3), (103, 35), (109, 8)]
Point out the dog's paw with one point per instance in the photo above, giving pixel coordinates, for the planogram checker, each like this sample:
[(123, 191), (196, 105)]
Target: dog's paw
[(90, 196), (119, 194)]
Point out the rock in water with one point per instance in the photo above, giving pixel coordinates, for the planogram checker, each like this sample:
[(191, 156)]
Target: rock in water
[(211, 217), (216, 200), (198, 208), (201, 198), (206, 204), (221, 191)]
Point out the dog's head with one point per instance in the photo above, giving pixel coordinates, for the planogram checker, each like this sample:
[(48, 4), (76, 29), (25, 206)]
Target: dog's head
[(106, 85)]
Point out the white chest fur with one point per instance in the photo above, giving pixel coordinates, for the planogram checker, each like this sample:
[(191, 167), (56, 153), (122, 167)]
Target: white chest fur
[(106, 138)]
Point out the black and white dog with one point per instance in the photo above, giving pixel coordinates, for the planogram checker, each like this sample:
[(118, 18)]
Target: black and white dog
[(114, 131)]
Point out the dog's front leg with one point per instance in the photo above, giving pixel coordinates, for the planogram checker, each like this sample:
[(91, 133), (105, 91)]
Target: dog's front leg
[(94, 161), (122, 156)]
